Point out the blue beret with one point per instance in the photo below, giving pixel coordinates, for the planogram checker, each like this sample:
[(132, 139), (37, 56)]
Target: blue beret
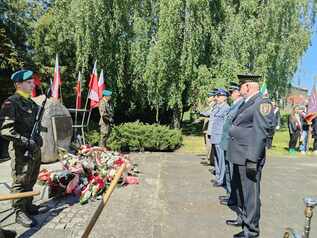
[(106, 93), (222, 92), (21, 75)]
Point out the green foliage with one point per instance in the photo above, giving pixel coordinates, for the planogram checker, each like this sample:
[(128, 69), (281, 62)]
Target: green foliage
[(160, 57), (284, 119), (165, 55), (16, 24), (141, 137), (93, 137)]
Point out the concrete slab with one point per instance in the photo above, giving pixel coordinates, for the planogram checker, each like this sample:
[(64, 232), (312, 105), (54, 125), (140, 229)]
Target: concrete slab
[(175, 199)]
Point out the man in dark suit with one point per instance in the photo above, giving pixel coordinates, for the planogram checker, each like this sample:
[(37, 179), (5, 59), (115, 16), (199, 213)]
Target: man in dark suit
[(237, 100), (246, 149)]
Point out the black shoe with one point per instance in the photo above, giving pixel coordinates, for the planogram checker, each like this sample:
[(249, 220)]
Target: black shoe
[(239, 235), (205, 162), (212, 170), (7, 233), (216, 185), (224, 197), (23, 219), (233, 222), (35, 210)]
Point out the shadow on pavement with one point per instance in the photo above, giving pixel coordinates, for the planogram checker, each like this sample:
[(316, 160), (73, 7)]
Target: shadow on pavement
[(56, 206)]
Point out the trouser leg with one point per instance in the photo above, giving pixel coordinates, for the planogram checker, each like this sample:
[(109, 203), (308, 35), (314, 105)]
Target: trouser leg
[(215, 156), (315, 144), (210, 155), (220, 170), (269, 142), (34, 172), (104, 135), (20, 183), (293, 140), (251, 202), (228, 175), (235, 201)]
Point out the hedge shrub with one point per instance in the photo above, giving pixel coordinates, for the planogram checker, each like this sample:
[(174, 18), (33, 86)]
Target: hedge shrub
[(284, 119), (136, 136)]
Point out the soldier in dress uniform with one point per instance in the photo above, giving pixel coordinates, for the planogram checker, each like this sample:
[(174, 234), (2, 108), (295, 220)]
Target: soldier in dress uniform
[(237, 100), (219, 113), (17, 117), (246, 149), (208, 123), (106, 117)]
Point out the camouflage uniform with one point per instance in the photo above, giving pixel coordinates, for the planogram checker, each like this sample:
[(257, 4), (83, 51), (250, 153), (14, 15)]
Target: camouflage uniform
[(106, 118), (17, 118)]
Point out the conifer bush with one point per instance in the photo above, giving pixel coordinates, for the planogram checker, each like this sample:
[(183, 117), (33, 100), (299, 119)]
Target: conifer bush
[(136, 136)]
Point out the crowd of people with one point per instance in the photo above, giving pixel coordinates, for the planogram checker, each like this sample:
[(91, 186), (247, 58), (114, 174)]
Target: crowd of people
[(237, 136), (300, 127)]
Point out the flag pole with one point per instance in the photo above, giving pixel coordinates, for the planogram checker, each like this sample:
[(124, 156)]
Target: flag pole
[(86, 103), (60, 92), (75, 135), (84, 115)]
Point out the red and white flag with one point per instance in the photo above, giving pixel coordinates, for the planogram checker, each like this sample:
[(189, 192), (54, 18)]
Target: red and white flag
[(78, 92), (93, 88), (101, 84), (37, 83), (57, 80)]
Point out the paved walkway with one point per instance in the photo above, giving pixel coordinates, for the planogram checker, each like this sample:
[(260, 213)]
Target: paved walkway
[(175, 199)]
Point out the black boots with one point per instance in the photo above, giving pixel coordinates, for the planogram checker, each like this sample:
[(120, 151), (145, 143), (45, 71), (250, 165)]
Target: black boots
[(35, 210), (23, 219), (7, 233)]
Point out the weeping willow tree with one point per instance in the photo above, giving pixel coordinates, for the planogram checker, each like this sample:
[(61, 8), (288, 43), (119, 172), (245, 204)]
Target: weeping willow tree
[(161, 57)]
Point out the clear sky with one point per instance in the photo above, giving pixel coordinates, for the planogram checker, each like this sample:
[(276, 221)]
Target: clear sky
[(307, 66)]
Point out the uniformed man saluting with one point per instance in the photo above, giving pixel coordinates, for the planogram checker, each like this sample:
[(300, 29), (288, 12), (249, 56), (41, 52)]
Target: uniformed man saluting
[(17, 117), (246, 149)]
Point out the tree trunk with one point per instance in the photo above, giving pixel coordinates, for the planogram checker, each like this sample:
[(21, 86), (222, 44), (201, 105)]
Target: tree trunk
[(177, 118), (157, 113)]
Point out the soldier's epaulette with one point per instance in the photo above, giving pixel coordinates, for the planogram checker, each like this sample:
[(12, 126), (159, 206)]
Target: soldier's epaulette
[(13, 97)]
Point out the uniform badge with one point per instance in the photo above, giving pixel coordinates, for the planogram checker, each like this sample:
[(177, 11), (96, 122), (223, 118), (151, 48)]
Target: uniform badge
[(265, 108)]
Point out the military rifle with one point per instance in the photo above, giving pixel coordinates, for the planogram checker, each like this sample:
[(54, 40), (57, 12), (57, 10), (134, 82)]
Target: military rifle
[(36, 130)]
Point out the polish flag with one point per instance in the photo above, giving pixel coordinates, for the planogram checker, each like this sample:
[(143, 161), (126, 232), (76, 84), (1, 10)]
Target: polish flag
[(101, 84), (93, 88), (78, 92), (37, 83), (57, 80)]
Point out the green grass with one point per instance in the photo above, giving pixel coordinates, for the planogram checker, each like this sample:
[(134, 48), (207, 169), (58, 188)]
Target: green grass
[(193, 141), (192, 145)]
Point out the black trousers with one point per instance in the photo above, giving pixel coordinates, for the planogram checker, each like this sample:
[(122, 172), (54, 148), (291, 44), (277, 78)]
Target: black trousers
[(246, 193), (293, 139), (315, 144), (269, 142)]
